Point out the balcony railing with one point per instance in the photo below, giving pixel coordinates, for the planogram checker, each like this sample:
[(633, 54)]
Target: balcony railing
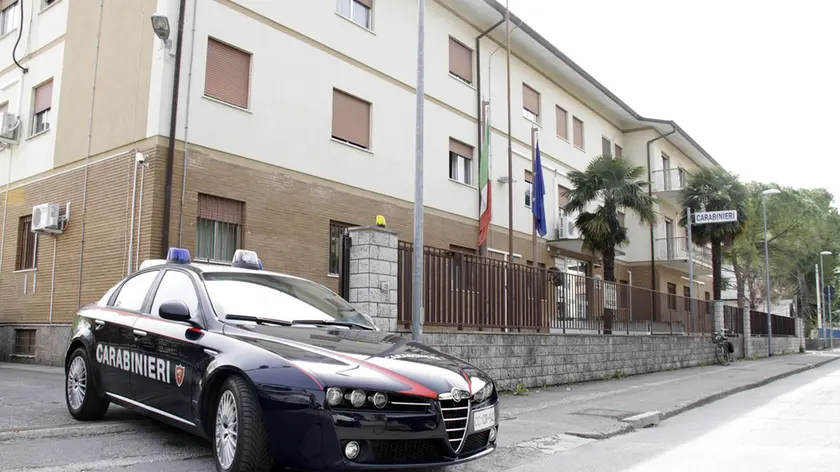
[(669, 179), (676, 249)]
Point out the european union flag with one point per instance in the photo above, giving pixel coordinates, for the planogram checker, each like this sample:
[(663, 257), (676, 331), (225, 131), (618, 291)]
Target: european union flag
[(538, 195)]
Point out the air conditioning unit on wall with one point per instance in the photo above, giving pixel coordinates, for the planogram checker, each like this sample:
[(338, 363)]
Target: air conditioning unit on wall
[(45, 218), (566, 228), (9, 128)]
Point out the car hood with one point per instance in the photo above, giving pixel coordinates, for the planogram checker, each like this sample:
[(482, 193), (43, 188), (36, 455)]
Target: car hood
[(372, 360)]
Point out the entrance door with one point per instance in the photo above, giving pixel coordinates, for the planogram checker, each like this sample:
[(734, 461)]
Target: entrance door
[(666, 171)]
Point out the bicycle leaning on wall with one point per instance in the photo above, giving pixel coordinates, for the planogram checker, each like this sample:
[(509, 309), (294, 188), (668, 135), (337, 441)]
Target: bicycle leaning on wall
[(723, 348)]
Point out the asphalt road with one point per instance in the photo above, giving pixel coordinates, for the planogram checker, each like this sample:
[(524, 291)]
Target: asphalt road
[(789, 425), (792, 424)]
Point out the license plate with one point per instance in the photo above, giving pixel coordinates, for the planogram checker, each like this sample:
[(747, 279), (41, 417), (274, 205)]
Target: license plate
[(484, 419)]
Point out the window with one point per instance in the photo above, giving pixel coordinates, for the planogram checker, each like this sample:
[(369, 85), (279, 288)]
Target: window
[(41, 108), (666, 171), (672, 296), (228, 74), (669, 238), (562, 200), (175, 286), (8, 18), (219, 228), (357, 11), (24, 342), (277, 297), (687, 298), (577, 128), (619, 152), (134, 290), (606, 147), (351, 119), (708, 298), (337, 230), (460, 162), (530, 103), (460, 60), (562, 123), (681, 176), (27, 248), (621, 219), (529, 185)]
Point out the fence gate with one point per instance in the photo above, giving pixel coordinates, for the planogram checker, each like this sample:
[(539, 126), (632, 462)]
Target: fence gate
[(344, 266)]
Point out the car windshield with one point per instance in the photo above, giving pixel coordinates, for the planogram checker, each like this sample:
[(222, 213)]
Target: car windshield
[(276, 297)]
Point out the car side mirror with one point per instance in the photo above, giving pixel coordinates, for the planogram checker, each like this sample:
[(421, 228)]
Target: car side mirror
[(175, 311)]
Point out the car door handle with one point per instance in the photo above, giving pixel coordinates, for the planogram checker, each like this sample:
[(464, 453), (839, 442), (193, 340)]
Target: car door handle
[(99, 324), (139, 334)]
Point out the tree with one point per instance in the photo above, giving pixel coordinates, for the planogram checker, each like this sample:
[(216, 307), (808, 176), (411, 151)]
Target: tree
[(615, 184), (715, 189)]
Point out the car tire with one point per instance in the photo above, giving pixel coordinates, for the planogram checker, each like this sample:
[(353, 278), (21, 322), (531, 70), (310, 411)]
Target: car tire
[(80, 392), (240, 437)]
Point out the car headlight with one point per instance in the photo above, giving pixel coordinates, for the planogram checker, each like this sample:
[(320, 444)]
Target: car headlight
[(379, 400), (357, 398), (334, 396), (483, 394)]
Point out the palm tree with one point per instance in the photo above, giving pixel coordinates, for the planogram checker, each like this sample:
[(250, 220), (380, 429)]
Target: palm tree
[(615, 183), (715, 189)]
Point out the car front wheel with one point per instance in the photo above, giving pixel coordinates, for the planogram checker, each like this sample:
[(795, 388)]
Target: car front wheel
[(82, 400), (240, 439)]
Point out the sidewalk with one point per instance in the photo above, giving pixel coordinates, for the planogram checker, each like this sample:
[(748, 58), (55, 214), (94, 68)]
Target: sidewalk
[(548, 421)]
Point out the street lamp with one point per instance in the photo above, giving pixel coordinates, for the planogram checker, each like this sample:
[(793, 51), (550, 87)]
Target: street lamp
[(764, 194), (822, 294)]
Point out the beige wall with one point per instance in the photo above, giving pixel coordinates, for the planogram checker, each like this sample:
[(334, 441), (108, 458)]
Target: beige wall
[(121, 102)]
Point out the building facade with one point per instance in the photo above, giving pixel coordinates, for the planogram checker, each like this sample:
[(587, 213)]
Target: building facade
[(294, 120)]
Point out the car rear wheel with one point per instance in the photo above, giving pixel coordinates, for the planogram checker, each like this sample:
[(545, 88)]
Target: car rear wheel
[(240, 439), (79, 389)]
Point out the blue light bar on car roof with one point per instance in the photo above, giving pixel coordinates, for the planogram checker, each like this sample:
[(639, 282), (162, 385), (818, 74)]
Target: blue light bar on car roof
[(246, 260), (178, 255)]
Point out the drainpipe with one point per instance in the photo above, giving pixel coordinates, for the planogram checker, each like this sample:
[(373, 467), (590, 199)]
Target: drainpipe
[(650, 193), (478, 104), (173, 119), (187, 127)]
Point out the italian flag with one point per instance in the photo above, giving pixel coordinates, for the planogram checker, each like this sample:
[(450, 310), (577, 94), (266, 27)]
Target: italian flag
[(485, 196)]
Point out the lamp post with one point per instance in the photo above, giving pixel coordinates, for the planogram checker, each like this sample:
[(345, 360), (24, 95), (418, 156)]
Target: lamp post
[(823, 294), (764, 194)]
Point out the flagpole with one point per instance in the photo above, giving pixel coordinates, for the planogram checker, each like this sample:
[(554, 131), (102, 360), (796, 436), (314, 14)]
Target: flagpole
[(534, 177), (510, 168)]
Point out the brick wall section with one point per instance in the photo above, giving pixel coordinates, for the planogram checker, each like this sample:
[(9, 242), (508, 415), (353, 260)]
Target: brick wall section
[(107, 216), (534, 360)]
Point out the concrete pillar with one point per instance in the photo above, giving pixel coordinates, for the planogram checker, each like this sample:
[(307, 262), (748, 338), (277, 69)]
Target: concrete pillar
[(745, 314), (373, 274), (718, 315), (800, 332)]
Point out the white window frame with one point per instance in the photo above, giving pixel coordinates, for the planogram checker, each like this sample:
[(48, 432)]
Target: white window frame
[(529, 192), (464, 162), (9, 12), (40, 122), (611, 146), (352, 17), (530, 116), (214, 258)]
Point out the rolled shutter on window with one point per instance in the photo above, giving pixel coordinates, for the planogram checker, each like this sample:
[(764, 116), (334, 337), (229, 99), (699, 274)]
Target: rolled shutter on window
[(460, 148), (220, 209), (43, 97), (367, 3), (562, 123), (578, 132), (228, 76), (530, 99), (460, 60), (351, 119)]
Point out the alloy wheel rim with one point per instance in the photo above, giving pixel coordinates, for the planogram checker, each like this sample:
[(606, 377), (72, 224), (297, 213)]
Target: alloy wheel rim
[(76, 383), (227, 430)]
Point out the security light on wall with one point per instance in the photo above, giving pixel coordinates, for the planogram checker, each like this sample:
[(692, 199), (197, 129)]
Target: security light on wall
[(160, 24)]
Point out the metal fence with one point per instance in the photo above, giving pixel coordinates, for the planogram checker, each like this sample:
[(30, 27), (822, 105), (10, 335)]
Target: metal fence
[(468, 291), (782, 325), (733, 319)]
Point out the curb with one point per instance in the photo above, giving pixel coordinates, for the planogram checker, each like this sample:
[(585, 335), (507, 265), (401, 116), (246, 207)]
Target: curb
[(670, 413)]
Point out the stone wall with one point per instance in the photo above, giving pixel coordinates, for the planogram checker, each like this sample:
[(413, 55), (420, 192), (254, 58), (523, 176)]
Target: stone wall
[(787, 345), (534, 360), (50, 343)]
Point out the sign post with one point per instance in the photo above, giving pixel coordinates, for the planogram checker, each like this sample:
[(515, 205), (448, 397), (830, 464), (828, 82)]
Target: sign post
[(702, 218), (690, 267)]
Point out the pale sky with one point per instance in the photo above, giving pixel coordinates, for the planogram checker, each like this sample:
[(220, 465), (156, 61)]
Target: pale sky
[(756, 83)]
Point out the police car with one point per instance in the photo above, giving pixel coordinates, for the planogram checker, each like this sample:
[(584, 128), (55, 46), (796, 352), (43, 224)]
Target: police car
[(274, 370)]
